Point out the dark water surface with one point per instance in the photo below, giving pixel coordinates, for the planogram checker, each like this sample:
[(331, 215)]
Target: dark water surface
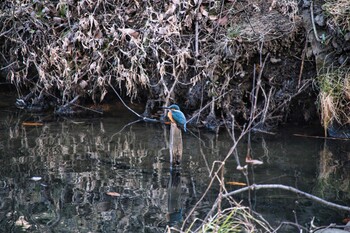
[(91, 175)]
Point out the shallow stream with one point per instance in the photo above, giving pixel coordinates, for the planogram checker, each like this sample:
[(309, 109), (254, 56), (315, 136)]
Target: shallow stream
[(99, 175)]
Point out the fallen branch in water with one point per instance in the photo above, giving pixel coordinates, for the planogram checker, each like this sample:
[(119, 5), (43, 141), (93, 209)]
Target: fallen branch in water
[(288, 188), (138, 115)]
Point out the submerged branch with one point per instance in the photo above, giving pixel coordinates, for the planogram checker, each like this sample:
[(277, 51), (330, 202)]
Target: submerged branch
[(288, 188)]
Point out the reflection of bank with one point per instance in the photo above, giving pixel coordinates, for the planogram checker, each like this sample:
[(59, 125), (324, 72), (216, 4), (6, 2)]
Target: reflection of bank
[(174, 198), (333, 180)]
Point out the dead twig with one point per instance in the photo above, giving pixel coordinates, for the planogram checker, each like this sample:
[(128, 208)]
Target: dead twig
[(302, 63), (197, 28), (313, 21), (131, 110)]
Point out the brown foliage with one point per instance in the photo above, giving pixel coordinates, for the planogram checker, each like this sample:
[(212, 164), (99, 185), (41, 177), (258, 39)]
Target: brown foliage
[(172, 50)]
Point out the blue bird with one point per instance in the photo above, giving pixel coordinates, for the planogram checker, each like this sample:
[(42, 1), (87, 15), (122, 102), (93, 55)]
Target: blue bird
[(176, 116)]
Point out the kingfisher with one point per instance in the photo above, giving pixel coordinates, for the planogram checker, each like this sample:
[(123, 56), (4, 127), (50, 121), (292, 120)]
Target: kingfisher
[(176, 116)]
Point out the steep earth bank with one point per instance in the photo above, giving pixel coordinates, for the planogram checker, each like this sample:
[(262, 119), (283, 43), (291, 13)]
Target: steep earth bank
[(220, 61)]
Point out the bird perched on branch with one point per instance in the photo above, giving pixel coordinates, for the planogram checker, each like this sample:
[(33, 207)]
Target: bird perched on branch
[(176, 116)]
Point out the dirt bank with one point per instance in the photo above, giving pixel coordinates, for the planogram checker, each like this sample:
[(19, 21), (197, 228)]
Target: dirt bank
[(253, 60)]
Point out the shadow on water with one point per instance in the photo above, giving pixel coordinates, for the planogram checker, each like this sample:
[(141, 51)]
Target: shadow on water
[(83, 175)]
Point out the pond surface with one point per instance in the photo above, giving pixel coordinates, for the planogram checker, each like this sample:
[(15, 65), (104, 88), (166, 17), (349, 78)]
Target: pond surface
[(96, 175)]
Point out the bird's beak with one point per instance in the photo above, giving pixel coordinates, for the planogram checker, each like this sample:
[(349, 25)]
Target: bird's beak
[(165, 107)]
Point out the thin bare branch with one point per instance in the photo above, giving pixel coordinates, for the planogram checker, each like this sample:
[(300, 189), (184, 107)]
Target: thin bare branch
[(287, 188)]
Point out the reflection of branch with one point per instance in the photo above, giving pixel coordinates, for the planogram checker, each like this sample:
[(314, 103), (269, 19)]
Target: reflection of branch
[(138, 115), (288, 188), (320, 137), (221, 165), (131, 123), (198, 202)]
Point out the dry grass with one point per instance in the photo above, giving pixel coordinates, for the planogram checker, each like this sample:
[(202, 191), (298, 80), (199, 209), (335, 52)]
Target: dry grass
[(328, 110), (334, 96), (338, 12), (235, 219)]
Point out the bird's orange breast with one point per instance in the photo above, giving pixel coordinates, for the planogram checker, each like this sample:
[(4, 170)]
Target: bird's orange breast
[(170, 116)]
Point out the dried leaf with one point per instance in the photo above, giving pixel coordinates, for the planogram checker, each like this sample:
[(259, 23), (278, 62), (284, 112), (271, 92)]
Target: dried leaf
[(32, 124), (83, 84), (236, 183), (213, 17), (240, 168), (171, 10), (223, 21), (188, 21), (129, 31), (113, 194), (253, 161), (98, 35), (57, 19), (103, 95), (162, 30), (204, 11), (21, 222), (92, 66), (346, 220)]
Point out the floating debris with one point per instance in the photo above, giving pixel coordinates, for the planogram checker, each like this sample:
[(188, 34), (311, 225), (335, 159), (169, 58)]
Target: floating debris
[(113, 194), (236, 183), (32, 124), (36, 178)]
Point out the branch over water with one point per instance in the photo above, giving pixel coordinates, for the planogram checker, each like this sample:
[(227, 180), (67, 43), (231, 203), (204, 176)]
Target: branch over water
[(130, 109), (288, 188)]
